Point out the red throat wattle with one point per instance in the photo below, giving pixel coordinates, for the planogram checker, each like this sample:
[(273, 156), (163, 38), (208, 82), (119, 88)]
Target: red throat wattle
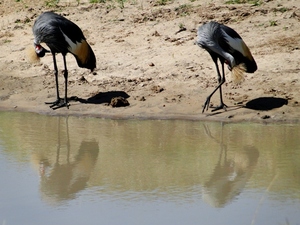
[(38, 49)]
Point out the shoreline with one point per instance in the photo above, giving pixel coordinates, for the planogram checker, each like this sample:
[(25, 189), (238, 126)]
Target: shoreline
[(262, 116)]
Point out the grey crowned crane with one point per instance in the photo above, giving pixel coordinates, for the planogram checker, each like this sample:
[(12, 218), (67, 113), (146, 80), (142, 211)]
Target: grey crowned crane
[(62, 36), (225, 44)]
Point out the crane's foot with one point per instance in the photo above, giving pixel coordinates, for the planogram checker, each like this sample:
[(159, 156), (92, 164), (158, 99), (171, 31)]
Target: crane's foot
[(59, 103), (221, 106), (206, 104)]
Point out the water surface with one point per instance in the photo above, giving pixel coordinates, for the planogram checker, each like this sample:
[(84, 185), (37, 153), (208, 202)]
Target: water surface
[(70, 170)]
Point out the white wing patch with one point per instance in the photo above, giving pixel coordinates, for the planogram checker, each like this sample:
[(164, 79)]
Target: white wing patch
[(72, 45), (235, 43)]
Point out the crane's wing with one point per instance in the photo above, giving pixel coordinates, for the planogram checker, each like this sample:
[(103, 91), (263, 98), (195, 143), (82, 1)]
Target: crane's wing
[(231, 32), (70, 29), (78, 45), (238, 46)]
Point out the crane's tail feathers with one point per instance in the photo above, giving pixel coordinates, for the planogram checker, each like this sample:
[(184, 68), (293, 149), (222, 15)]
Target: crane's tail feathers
[(31, 55), (84, 55), (238, 73)]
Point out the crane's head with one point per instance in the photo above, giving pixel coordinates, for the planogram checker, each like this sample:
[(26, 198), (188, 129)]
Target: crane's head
[(228, 65), (40, 50)]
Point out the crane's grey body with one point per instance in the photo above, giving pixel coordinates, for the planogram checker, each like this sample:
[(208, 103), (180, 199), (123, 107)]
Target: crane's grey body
[(47, 30), (51, 28), (62, 36), (225, 44), (211, 38)]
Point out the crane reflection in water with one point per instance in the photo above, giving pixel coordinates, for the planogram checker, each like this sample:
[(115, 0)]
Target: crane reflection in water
[(64, 178), (230, 174)]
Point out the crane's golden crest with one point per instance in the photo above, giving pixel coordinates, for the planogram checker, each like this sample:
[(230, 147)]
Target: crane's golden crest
[(237, 73), (31, 55)]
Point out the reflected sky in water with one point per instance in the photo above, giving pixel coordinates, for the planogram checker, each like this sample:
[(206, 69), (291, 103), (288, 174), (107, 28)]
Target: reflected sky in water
[(70, 170)]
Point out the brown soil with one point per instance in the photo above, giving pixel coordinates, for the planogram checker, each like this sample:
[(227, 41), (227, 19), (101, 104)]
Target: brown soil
[(146, 57)]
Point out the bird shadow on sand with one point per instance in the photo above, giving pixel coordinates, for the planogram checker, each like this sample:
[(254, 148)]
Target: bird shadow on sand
[(101, 97), (266, 103), (260, 104)]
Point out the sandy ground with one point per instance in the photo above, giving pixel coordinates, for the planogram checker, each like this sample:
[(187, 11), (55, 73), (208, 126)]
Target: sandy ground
[(142, 56)]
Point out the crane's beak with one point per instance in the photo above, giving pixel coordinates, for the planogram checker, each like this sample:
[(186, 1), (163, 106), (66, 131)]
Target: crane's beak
[(40, 51)]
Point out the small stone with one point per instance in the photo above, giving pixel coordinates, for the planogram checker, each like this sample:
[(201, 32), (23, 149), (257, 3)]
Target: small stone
[(119, 102), (265, 117), (142, 99), (157, 89)]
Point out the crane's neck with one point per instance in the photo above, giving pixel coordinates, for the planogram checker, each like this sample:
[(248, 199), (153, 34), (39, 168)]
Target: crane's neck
[(212, 46), (229, 59)]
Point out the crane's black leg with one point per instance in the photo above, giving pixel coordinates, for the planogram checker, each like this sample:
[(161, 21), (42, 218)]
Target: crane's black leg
[(64, 102), (221, 81), (66, 82), (58, 100)]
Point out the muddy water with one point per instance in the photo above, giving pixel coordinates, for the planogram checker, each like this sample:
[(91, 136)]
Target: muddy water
[(69, 170)]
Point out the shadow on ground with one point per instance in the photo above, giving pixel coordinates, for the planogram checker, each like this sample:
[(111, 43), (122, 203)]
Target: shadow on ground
[(262, 103), (101, 97), (266, 103)]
